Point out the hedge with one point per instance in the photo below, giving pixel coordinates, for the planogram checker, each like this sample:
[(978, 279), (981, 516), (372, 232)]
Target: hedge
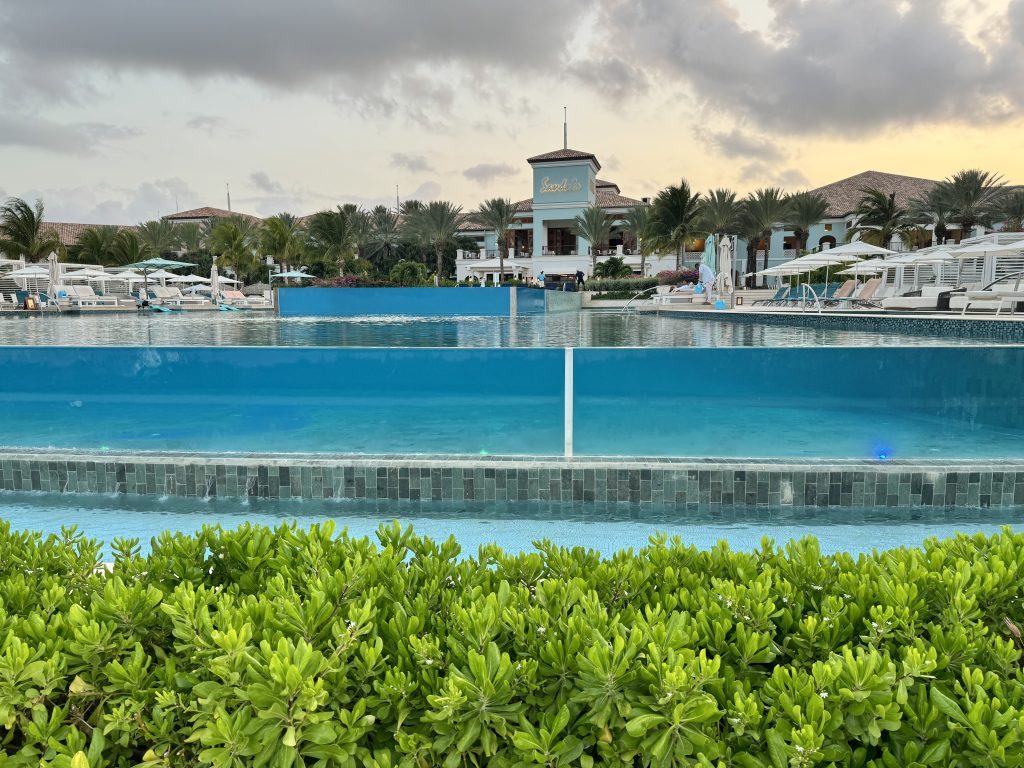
[(635, 284), (290, 647)]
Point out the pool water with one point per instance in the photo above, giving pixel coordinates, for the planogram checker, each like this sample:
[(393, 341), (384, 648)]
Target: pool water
[(514, 526), (592, 328)]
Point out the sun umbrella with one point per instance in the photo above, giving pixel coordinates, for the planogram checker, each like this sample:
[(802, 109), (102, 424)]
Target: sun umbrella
[(710, 252), (293, 273), (215, 280), (189, 279), (978, 250), (725, 265), (127, 276), (154, 265), (856, 248), (33, 270), (84, 274), (54, 274), (229, 280)]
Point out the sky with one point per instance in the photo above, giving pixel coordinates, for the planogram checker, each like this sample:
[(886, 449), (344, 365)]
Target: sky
[(119, 111)]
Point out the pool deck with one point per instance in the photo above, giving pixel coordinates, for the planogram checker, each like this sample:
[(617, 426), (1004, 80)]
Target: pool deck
[(1005, 326), (655, 481)]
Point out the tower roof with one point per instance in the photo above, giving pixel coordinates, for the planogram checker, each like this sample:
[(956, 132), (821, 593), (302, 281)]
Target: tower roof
[(563, 154)]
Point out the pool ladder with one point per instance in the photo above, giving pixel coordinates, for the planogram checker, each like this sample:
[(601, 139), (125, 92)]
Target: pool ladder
[(646, 290)]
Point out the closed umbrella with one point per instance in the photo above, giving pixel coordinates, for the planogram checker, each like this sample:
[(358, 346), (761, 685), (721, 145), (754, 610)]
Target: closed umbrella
[(215, 284), (724, 279), (54, 275), (709, 252)]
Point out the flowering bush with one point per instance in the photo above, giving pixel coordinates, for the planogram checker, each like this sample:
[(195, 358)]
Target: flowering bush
[(672, 277), (350, 281), (290, 647)]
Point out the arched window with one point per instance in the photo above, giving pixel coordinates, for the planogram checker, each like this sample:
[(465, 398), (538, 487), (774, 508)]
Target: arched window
[(826, 242)]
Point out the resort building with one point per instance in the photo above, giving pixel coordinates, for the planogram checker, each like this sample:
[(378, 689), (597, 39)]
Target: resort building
[(565, 183)]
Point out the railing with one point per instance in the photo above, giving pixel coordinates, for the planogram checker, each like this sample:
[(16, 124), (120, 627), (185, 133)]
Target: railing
[(625, 308), (803, 297)]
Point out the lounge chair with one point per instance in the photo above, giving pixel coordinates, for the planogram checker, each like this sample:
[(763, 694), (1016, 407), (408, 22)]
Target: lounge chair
[(84, 296), (926, 298), (8, 301), (779, 296), (865, 297), (996, 295), (168, 296), (239, 299)]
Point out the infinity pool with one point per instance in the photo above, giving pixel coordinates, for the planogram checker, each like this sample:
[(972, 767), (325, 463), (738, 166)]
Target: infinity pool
[(591, 328), (514, 526)]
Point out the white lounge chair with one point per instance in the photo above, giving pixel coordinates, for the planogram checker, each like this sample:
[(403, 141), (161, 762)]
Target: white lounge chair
[(997, 296), (84, 296)]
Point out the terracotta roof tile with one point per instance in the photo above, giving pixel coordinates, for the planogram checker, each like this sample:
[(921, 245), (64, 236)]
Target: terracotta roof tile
[(605, 198), (69, 233), (844, 195), (207, 212), (563, 154)]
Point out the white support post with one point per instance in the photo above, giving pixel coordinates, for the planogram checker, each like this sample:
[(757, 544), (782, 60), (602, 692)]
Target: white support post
[(513, 301), (568, 402)]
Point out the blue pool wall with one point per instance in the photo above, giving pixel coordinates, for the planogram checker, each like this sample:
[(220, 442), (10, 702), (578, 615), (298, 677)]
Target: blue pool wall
[(280, 399), (626, 401), (353, 302), (953, 392)]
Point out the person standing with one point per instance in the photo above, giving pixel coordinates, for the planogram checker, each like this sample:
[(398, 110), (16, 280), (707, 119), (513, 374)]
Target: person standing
[(580, 284), (706, 278)]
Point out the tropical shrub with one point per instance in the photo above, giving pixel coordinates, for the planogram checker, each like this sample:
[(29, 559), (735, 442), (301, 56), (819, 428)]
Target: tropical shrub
[(675, 277), (612, 267), (290, 647), (634, 284), (408, 273)]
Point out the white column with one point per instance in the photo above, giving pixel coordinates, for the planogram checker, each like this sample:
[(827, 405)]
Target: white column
[(568, 401)]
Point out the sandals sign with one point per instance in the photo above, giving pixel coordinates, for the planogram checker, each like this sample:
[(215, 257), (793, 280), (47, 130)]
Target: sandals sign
[(550, 186)]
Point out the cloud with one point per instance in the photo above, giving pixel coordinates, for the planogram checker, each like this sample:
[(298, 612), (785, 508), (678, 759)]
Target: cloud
[(766, 173), (411, 163), (207, 123), (393, 55), (736, 144), (106, 204), (428, 190), (485, 173), (847, 67), (264, 183), (72, 139)]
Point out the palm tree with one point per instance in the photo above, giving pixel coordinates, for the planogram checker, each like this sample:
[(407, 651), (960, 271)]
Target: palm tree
[(638, 222), (594, 226), (95, 245), (880, 218), (437, 225), (332, 237), (932, 208), (191, 238), (161, 236), (613, 267), (748, 229), (1011, 211), (283, 238), (497, 214), (805, 210), (675, 219), (409, 207), (233, 241), (128, 248), (385, 235), (408, 273), (22, 235), (766, 209), (721, 212), (973, 197)]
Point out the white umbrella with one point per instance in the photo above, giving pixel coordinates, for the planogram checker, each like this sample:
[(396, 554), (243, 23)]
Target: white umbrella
[(84, 274), (33, 270), (129, 277), (229, 280), (189, 279), (161, 274), (856, 248), (54, 274), (872, 267), (978, 250), (215, 281), (723, 282)]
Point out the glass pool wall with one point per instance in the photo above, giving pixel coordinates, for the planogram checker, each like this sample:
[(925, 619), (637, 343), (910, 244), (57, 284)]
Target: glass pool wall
[(859, 403)]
